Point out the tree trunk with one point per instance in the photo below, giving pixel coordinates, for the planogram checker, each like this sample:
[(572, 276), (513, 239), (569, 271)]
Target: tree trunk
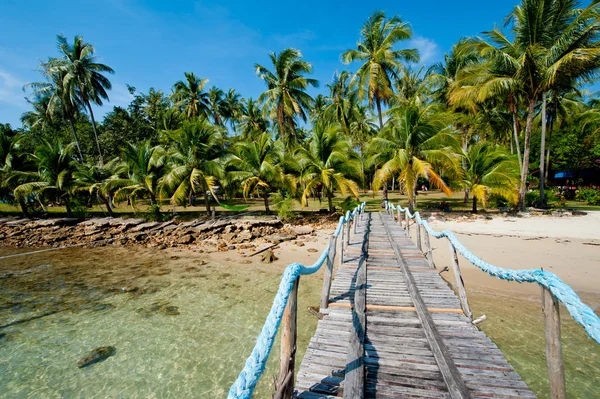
[(107, 201), (543, 152), (546, 171), (467, 195), (76, 139), (191, 198), (152, 199), (281, 123), (207, 202), (516, 137), (378, 103), (95, 131), (267, 210), (24, 209), (384, 194), (330, 201), (474, 204), (68, 208), (525, 168)]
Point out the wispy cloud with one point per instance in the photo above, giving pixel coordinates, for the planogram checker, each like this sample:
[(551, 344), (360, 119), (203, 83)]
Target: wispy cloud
[(11, 90), (428, 49)]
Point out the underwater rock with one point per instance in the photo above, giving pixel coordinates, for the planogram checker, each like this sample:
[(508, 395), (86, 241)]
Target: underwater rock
[(97, 355), (170, 310)]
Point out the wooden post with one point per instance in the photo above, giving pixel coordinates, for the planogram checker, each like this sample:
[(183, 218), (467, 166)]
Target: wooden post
[(342, 246), (419, 237), (462, 294), (554, 359), (407, 225), (399, 218), (288, 345), (348, 233), (429, 250), (328, 273), (355, 222)]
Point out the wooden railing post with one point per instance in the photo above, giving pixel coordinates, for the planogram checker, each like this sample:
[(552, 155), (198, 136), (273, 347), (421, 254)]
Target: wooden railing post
[(460, 285), (407, 219), (285, 382), (348, 233), (429, 250), (419, 236), (399, 218), (554, 359), (328, 273), (342, 246), (355, 222)]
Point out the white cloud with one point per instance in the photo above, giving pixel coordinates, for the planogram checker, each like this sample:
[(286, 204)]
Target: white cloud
[(428, 49), (119, 95), (11, 90)]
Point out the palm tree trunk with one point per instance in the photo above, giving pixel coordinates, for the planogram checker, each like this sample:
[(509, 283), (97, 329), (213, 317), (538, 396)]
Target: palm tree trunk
[(95, 131), (68, 208), (330, 201), (281, 123), (466, 196), (516, 137), (24, 209), (266, 198), (378, 103), (474, 204), (207, 203), (543, 152), (107, 201), (190, 198), (76, 139), (384, 194), (547, 166), (525, 168)]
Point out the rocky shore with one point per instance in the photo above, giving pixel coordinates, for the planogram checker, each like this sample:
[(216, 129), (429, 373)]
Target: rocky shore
[(204, 235)]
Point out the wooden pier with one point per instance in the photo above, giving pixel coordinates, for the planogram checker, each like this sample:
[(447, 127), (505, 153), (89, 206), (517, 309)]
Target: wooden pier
[(394, 328)]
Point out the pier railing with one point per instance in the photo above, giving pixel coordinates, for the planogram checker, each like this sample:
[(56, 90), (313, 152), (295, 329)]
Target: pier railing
[(283, 313), (553, 291)]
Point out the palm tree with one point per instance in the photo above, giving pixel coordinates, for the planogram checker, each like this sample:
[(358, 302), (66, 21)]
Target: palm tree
[(40, 116), (328, 163), (197, 154), (490, 169), (83, 78), (257, 165), (233, 108), (15, 167), (381, 61), (94, 178), (54, 178), (190, 97), (252, 119), (340, 100), (139, 174), (416, 143), (286, 97), (216, 105)]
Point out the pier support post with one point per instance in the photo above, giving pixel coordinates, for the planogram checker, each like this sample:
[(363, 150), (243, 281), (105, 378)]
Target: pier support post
[(429, 250), (460, 285), (399, 217), (285, 382), (554, 358), (419, 246), (342, 246), (348, 232), (328, 273), (407, 219)]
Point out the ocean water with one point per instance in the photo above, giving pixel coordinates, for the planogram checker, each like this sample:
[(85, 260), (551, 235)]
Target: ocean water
[(183, 325), (63, 304)]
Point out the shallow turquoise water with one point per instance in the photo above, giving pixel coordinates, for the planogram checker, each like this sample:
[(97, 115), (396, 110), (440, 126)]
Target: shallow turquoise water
[(109, 296)]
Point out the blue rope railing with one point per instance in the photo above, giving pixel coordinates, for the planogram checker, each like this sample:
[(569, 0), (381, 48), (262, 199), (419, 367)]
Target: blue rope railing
[(582, 313), (244, 385)]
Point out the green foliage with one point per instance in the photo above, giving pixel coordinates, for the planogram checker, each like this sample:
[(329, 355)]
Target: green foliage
[(348, 204), (284, 206), (589, 195)]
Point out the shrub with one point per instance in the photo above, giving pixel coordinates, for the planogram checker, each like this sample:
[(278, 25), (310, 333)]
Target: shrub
[(285, 207), (153, 213), (532, 198), (589, 195), (497, 201), (78, 208), (349, 204)]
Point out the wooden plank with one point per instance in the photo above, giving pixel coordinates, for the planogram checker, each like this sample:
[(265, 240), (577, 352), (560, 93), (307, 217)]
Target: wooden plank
[(396, 308), (454, 382), (554, 358), (462, 293)]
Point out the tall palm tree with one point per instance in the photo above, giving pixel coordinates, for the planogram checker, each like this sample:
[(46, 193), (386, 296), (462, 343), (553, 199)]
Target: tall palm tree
[(83, 78), (54, 177), (328, 163), (233, 108), (258, 167), (190, 97), (252, 119), (490, 169), (380, 61), (139, 174), (416, 143), (197, 155), (216, 105), (286, 97), (340, 100)]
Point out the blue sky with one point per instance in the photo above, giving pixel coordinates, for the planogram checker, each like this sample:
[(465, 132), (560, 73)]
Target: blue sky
[(152, 43)]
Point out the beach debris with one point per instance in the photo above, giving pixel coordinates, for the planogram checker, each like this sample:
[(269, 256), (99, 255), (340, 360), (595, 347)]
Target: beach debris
[(97, 355), (268, 257), (480, 319), (312, 250), (170, 310)]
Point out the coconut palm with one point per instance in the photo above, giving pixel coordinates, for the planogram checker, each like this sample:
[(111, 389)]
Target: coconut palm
[(139, 174), (197, 155), (190, 97), (257, 166), (328, 163), (490, 169), (216, 105), (416, 143), (94, 178), (286, 97), (380, 61), (252, 119), (15, 166), (53, 179), (340, 101), (83, 80), (233, 108)]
